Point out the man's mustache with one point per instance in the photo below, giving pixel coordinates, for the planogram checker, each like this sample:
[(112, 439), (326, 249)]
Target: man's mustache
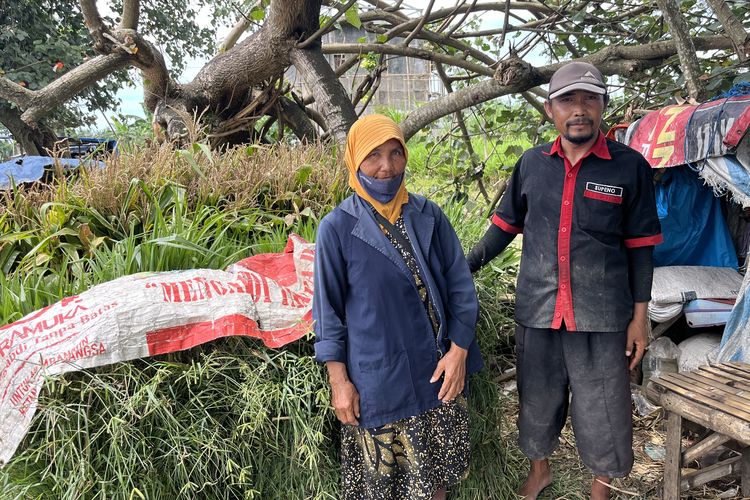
[(579, 121)]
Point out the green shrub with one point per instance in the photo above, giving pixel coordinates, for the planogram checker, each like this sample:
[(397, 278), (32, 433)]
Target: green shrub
[(229, 419)]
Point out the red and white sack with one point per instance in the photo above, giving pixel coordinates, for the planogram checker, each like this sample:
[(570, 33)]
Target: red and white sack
[(267, 296)]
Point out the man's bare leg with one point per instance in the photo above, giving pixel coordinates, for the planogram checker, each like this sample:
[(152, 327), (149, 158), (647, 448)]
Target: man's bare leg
[(600, 488), (540, 476), (440, 494)]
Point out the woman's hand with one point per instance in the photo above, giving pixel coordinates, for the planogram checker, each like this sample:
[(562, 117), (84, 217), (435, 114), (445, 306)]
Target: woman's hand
[(344, 396), (453, 367)]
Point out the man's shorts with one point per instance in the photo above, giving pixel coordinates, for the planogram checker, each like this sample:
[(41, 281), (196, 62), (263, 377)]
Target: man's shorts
[(586, 372)]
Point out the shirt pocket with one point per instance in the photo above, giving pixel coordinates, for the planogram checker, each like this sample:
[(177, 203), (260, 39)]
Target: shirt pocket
[(601, 213), (388, 388)]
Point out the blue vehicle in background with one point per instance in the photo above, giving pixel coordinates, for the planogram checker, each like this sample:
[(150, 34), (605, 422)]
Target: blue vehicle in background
[(82, 150)]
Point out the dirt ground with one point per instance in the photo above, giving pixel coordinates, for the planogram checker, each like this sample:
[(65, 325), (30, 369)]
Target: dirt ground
[(572, 480)]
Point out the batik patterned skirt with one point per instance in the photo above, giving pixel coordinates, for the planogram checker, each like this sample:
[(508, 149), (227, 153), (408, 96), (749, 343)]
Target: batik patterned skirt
[(411, 458)]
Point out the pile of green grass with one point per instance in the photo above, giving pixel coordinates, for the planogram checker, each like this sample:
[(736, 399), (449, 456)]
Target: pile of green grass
[(229, 419)]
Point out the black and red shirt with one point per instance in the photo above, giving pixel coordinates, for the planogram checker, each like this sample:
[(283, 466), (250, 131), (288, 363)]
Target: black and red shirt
[(577, 222)]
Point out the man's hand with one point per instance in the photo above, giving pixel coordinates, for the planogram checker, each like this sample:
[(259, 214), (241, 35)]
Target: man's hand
[(344, 396), (453, 366), (637, 341)]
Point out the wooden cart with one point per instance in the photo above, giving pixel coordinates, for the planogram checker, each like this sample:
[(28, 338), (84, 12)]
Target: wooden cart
[(718, 398)]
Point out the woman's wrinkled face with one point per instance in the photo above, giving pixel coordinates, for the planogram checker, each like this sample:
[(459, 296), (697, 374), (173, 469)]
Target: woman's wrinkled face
[(385, 161)]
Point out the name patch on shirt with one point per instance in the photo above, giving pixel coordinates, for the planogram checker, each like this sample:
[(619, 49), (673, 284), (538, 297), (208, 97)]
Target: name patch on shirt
[(594, 187)]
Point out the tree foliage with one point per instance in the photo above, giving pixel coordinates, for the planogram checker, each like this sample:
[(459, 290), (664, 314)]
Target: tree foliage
[(43, 40), (241, 93)]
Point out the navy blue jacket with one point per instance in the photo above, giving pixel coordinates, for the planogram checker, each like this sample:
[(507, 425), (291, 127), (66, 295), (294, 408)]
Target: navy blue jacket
[(367, 310)]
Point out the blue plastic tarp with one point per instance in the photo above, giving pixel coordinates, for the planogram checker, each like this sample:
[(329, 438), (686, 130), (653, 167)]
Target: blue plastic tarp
[(31, 168), (695, 231)]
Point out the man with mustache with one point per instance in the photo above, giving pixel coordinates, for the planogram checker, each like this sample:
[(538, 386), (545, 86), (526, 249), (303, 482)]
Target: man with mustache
[(586, 208)]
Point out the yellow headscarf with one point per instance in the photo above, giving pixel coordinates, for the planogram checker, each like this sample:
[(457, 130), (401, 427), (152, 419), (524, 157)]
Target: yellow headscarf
[(366, 134)]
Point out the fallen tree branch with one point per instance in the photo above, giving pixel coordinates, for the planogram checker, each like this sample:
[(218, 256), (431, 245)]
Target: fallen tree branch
[(610, 60)]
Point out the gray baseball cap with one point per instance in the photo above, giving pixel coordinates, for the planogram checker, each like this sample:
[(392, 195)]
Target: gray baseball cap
[(577, 76)]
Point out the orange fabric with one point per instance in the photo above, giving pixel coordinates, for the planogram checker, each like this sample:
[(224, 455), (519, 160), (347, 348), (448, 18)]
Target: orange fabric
[(366, 134)]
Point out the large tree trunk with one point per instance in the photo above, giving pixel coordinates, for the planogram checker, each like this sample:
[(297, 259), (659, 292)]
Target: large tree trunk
[(35, 141), (243, 86), (330, 96)]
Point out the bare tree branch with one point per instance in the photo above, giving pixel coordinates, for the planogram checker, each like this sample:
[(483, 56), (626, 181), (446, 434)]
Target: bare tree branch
[(425, 34), (398, 50), (323, 29), (518, 76), (733, 28), (498, 6), (294, 115), (421, 24), (466, 15), (476, 168), (242, 24), (685, 48), (18, 95), (71, 84), (529, 97), (95, 25), (131, 10)]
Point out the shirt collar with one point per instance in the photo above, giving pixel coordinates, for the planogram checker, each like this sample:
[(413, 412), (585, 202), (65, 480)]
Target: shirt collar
[(599, 148)]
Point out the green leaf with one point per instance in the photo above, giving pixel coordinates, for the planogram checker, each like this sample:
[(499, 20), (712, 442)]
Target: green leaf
[(257, 14), (352, 16), (381, 38), (302, 175)]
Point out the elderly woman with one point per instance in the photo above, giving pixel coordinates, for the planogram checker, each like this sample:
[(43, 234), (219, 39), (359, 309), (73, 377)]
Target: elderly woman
[(395, 312)]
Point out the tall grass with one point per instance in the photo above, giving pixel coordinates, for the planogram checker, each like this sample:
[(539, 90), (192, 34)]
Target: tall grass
[(230, 419)]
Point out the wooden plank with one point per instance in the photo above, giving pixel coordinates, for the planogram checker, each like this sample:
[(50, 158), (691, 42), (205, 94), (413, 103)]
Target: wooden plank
[(720, 396), (672, 463), (710, 371), (702, 396), (722, 380), (745, 472), (739, 366), (731, 372), (707, 416), (742, 397), (699, 449), (711, 473)]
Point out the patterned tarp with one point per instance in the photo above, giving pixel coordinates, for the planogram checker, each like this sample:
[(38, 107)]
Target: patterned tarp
[(266, 296)]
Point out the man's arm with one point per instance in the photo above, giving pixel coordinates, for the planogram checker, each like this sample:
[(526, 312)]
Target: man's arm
[(492, 244), (641, 272)]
